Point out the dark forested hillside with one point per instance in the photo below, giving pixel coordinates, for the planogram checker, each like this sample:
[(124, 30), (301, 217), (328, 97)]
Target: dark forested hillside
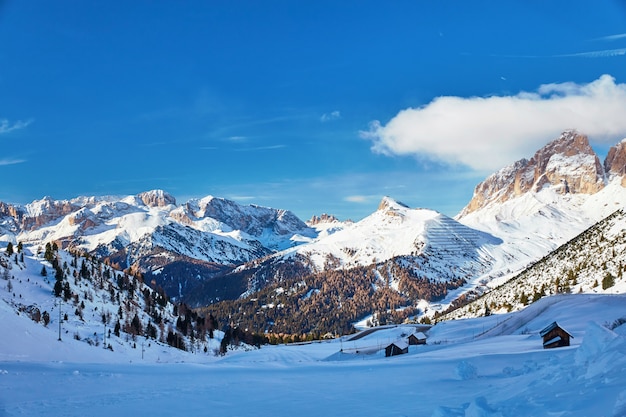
[(331, 301)]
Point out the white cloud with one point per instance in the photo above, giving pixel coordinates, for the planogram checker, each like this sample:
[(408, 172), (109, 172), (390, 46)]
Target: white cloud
[(261, 148), (613, 37), (487, 133), (605, 53), (357, 199), (6, 126), (327, 117), (5, 161)]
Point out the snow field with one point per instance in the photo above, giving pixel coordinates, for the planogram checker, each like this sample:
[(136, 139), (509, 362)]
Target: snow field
[(455, 374)]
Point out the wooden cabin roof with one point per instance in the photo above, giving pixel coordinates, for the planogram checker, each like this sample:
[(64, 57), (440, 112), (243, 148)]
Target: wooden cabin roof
[(401, 344), (551, 327), (419, 336)]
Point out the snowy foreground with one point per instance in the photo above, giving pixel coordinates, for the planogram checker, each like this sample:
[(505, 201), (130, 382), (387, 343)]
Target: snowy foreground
[(492, 366)]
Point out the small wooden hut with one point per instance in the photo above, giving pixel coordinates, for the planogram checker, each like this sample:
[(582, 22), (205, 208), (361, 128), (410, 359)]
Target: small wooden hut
[(399, 347), (554, 336), (418, 338)]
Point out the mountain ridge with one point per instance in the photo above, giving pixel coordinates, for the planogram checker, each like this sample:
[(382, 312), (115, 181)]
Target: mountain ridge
[(213, 249)]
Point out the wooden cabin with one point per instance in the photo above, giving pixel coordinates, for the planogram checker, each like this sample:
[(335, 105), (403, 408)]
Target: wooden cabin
[(418, 338), (554, 336), (399, 347)]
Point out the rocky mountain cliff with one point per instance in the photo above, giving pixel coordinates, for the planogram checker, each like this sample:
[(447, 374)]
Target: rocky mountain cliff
[(615, 162), (568, 164)]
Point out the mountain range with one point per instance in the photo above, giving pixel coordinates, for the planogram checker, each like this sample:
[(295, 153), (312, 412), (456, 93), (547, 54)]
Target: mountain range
[(416, 260)]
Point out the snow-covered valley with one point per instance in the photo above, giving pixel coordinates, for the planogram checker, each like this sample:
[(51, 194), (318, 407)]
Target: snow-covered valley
[(457, 373), (486, 366)]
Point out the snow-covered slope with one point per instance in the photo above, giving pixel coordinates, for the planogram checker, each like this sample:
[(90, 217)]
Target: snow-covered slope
[(395, 261), (592, 262), (535, 206), (475, 367), (90, 309), (393, 230)]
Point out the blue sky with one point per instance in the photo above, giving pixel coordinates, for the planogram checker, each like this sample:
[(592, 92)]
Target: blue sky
[(314, 107)]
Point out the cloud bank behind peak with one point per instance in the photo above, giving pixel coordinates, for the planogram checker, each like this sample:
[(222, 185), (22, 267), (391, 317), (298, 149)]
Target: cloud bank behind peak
[(487, 133)]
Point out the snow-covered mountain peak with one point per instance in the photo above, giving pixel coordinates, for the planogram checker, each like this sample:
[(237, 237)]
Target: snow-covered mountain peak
[(149, 230), (394, 230), (568, 165), (48, 206), (157, 198), (388, 203)]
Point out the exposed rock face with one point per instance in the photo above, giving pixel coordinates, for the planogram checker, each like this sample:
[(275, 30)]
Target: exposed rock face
[(254, 220), (83, 219), (501, 186), (323, 218), (568, 164), (388, 203), (44, 211), (10, 218), (9, 210), (157, 198), (615, 162)]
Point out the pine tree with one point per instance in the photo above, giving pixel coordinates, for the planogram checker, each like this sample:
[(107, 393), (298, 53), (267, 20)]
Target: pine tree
[(67, 292), (48, 255), (523, 299), (136, 325), (608, 281), (84, 271), (58, 288), (58, 274)]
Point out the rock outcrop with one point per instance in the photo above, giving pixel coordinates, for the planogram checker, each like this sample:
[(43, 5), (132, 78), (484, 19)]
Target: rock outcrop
[(44, 211), (322, 218), (157, 198), (615, 162), (567, 164)]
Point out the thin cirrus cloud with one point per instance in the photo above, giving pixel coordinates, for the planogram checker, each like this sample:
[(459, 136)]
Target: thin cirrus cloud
[(261, 148), (487, 133), (5, 161), (334, 115), (612, 37), (604, 53), (6, 126)]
